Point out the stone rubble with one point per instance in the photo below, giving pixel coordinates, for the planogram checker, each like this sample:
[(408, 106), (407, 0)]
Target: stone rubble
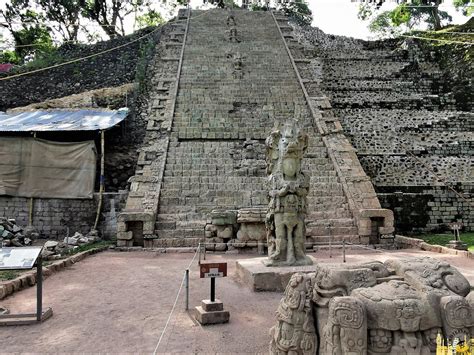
[(12, 235)]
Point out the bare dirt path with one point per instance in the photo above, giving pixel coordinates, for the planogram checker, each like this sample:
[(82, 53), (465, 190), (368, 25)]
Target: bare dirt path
[(116, 302)]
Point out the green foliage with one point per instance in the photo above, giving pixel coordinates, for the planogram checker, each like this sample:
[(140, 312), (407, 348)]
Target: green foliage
[(146, 48), (9, 275), (443, 239), (404, 17), (465, 6), (86, 247), (299, 10), (257, 7), (151, 18), (32, 41), (400, 15), (10, 57)]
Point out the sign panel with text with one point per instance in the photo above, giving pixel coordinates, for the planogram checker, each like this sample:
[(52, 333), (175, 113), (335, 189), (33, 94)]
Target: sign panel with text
[(208, 270)]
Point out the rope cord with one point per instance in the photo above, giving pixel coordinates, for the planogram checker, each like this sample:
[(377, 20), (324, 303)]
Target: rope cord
[(170, 315), (82, 58)]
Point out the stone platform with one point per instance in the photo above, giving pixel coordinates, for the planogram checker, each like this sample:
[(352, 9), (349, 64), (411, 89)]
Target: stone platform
[(211, 312), (259, 277)]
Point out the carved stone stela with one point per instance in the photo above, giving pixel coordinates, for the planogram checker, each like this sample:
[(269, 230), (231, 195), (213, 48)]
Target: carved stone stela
[(397, 307), (288, 188)]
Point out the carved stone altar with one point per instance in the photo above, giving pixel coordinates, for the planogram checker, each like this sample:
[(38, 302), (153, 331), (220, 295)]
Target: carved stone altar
[(288, 188), (396, 307)]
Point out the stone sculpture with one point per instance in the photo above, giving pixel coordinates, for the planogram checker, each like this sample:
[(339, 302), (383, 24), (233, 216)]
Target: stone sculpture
[(230, 21), (288, 188), (396, 307), (233, 37)]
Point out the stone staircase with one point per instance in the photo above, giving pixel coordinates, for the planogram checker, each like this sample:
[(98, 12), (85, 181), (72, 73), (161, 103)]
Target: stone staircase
[(223, 115)]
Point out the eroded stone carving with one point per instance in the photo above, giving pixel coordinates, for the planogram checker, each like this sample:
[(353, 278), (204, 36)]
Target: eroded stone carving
[(288, 188), (396, 307), (233, 37), (294, 333)]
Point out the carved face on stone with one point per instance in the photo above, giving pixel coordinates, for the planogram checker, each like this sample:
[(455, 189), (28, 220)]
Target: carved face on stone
[(290, 166), (286, 146)]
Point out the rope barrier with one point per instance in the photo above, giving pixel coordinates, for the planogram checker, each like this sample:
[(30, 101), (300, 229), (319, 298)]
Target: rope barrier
[(82, 58), (170, 315)]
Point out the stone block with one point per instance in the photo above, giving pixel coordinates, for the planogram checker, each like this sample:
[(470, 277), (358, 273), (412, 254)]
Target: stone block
[(258, 277), (206, 318), (209, 306)]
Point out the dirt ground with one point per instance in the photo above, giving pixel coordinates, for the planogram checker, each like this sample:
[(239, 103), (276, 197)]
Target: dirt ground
[(119, 302)]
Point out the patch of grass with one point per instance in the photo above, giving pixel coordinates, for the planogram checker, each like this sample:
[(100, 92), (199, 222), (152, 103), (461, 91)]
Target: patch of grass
[(9, 275), (90, 246), (443, 239)]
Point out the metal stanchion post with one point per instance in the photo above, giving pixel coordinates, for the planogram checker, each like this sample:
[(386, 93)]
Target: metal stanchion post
[(39, 288), (330, 239), (187, 288), (199, 251), (344, 250), (213, 289)]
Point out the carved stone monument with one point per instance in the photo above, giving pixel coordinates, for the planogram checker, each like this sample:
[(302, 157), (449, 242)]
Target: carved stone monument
[(288, 188), (396, 307)]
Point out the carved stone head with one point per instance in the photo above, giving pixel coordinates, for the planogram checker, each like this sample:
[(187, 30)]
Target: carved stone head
[(285, 149)]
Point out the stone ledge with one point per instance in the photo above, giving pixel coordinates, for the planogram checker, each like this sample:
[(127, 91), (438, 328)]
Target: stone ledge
[(414, 243), (28, 279)]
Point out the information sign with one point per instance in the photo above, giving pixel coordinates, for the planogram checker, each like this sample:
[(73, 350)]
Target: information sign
[(209, 270), (18, 258)]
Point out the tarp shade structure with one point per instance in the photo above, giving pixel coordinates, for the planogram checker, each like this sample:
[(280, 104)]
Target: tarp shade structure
[(61, 120), (32, 167)]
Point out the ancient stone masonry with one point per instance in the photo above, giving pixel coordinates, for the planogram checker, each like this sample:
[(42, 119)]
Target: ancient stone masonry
[(410, 134), (372, 221), (397, 307), (136, 222), (56, 218), (230, 95)]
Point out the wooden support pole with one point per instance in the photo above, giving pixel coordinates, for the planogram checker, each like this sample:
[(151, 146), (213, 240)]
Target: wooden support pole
[(102, 178)]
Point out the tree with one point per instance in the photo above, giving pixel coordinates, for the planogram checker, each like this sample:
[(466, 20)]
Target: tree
[(404, 16), (110, 14), (62, 16), (151, 18), (32, 37), (465, 6), (299, 10)]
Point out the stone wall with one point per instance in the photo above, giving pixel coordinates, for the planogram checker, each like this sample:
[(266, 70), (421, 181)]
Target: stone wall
[(411, 127), (54, 218), (431, 208)]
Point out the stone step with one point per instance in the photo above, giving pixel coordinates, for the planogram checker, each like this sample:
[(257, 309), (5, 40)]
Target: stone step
[(340, 222), (180, 233), (335, 230)]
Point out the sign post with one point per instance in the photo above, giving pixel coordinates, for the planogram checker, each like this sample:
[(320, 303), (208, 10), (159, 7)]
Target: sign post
[(212, 311), (23, 259)]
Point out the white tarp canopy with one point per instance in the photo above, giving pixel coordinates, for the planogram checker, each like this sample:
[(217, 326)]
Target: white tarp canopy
[(61, 120), (32, 167)]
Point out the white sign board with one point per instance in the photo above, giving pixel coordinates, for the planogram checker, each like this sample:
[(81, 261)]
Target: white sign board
[(18, 258), (213, 272)]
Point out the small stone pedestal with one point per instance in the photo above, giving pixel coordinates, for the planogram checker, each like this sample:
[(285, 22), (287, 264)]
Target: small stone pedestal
[(211, 312)]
